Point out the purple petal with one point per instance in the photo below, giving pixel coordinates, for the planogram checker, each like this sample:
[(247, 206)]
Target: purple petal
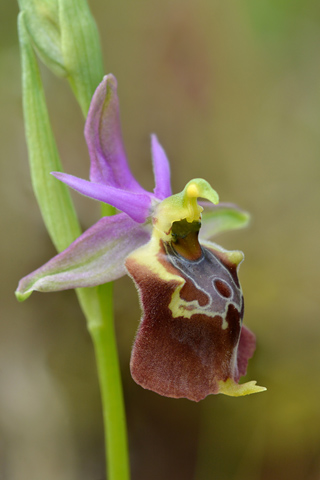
[(136, 205), (96, 257), (161, 169), (109, 164)]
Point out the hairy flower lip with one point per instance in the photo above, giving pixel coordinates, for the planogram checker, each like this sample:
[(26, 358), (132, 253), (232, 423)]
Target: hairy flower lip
[(191, 341)]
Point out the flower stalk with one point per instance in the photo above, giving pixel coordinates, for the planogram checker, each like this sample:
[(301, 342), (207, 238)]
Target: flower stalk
[(54, 198), (103, 336)]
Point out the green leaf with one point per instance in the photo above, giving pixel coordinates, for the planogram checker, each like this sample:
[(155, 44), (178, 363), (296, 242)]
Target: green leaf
[(53, 196)]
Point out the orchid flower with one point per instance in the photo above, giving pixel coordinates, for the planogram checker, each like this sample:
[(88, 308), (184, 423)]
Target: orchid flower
[(191, 341)]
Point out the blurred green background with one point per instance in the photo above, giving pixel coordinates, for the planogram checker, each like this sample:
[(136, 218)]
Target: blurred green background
[(233, 91)]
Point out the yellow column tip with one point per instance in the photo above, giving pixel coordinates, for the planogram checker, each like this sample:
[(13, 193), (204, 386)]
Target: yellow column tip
[(193, 190)]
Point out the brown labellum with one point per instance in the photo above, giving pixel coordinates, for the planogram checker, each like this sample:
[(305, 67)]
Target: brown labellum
[(191, 337)]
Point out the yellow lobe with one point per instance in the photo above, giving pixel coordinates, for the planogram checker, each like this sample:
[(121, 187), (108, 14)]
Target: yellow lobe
[(233, 389), (236, 257)]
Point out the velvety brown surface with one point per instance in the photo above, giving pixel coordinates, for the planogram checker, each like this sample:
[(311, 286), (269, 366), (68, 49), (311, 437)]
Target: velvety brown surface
[(179, 356)]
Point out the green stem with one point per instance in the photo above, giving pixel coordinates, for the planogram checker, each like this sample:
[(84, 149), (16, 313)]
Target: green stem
[(62, 224), (104, 340)]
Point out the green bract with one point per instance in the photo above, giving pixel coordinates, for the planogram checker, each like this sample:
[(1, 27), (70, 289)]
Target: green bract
[(65, 36), (53, 197)]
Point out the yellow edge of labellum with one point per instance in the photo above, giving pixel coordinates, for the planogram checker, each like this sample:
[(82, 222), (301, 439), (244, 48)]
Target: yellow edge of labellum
[(147, 255), (233, 389)]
